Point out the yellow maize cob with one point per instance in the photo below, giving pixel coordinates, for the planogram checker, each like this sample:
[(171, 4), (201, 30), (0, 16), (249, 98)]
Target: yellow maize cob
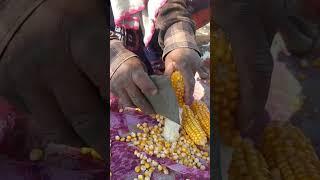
[(225, 85), (178, 86), (202, 113), (290, 152), (193, 127), (248, 163)]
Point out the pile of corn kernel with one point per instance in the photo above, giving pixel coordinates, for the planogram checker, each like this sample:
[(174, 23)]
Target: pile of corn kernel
[(151, 143)]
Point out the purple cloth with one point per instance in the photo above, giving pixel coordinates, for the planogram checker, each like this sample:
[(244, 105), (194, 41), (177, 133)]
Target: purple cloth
[(123, 160)]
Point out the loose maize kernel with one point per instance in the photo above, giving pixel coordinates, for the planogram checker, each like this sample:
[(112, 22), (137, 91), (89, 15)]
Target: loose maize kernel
[(140, 177), (137, 169)]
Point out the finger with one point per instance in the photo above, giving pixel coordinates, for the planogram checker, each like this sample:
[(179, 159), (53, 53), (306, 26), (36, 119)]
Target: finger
[(188, 77), (142, 80), (139, 99), (170, 67), (124, 99)]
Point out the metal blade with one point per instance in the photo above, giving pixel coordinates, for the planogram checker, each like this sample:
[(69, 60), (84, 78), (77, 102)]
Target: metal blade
[(165, 102)]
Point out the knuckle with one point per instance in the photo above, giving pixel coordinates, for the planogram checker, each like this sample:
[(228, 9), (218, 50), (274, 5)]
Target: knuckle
[(138, 73)]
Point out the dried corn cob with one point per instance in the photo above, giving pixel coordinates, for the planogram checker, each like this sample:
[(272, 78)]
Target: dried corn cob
[(202, 113), (178, 86), (248, 163), (193, 127), (226, 86), (289, 151)]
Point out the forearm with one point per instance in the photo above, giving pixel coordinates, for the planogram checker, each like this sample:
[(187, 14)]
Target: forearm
[(176, 28), (118, 53)]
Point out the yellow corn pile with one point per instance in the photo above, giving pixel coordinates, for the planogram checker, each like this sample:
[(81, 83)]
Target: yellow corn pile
[(151, 143), (248, 163), (202, 113), (226, 86), (287, 150), (196, 118)]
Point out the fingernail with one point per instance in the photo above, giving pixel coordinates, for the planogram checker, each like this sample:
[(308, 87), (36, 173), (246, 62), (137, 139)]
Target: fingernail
[(154, 92)]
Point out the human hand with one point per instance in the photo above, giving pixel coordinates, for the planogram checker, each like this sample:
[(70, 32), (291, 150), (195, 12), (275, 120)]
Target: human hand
[(130, 82), (188, 62)]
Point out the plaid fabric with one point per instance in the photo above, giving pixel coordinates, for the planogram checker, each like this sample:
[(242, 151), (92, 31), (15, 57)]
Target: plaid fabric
[(179, 35), (175, 29), (118, 53)]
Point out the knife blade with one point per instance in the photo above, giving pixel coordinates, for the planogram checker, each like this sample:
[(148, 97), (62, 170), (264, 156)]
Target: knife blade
[(164, 102)]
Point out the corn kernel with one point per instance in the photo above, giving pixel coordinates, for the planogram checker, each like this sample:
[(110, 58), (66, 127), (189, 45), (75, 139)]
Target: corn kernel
[(147, 165), (165, 170), (143, 168), (140, 177), (137, 169)]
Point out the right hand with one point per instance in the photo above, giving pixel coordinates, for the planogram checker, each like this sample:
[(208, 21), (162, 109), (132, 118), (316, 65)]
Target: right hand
[(130, 83)]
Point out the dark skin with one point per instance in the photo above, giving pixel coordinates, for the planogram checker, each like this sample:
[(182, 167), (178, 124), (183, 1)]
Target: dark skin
[(130, 82), (251, 26), (53, 71)]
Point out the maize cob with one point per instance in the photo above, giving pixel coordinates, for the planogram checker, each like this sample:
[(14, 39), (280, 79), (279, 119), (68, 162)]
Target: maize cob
[(178, 86), (248, 163), (202, 113), (193, 127), (290, 152), (226, 86)]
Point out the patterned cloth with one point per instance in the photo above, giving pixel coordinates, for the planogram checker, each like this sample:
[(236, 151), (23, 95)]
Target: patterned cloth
[(129, 13)]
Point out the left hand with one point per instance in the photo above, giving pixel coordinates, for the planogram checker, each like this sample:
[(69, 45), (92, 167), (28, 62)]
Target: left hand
[(188, 62)]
